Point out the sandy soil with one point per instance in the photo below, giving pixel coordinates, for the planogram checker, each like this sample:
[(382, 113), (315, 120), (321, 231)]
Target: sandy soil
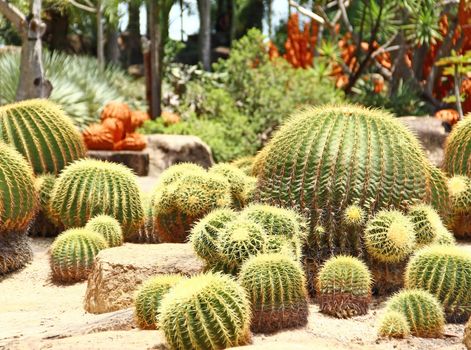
[(31, 307)]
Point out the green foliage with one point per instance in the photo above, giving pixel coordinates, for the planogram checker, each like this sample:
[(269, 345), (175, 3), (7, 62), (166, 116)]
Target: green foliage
[(276, 287), (80, 86), (422, 310), (446, 273), (427, 224), (344, 286), (390, 237), (108, 227), (457, 159), (43, 222), (149, 297), (73, 252), (208, 311), (42, 133), (393, 324), (182, 202), (324, 159), (88, 187)]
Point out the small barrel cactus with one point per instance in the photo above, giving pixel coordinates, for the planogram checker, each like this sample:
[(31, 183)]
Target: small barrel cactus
[(17, 207), (108, 227), (238, 183), (147, 233), (276, 287), (89, 187), (179, 205), (344, 287), (209, 311), (460, 192), (354, 215), (245, 164), (41, 131), (72, 254), (149, 297), (457, 159), (389, 237), (444, 271), (423, 312), (445, 237), (176, 172), (204, 235), (428, 226), (393, 324)]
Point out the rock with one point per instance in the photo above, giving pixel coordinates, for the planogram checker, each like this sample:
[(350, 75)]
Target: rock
[(467, 335), (166, 150), (118, 272), (431, 135), (136, 160)]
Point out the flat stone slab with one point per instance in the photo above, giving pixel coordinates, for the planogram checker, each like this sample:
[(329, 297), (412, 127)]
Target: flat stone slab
[(138, 161), (118, 272)]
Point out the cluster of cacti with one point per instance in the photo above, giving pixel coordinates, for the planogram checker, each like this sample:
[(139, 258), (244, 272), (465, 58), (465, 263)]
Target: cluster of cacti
[(460, 193), (185, 194), (149, 296), (325, 159), (43, 224), (276, 288), (344, 287), (393, 324), (41, 131), (241, 186), (423, 312), (108, 227), (89, 187), (72, 254), (428, 226), (208, 311), (444, 271), (17, 207)]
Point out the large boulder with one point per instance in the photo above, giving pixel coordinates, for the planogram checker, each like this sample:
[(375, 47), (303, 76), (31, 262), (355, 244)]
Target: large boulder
[(118, 272), (431, 135), (166, 150)]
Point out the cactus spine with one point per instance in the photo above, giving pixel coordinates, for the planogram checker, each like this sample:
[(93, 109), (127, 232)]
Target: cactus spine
[(108, 227), (208, 311), (422, 310), (393, 325), (149, 297), (344, 287), (72, 254), (41, 131), (446, 273), (89, 187), (276, 287)]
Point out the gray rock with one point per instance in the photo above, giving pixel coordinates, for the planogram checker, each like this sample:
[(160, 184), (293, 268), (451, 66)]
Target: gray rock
[(136, 160)]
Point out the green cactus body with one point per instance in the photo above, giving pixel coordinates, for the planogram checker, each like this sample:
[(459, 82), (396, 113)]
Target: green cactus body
[(327, 158), (208, 311), (245, 164), (42, 133), (344, 287), (43, 225), (460, 193), (72, 254), (427, 224), (393, 325), (457, 160), (390, 237), (149, 297), (176, 172), (204, 235), (446, 273), (238, 183), (445, 237), (423, 312), (276, 287), (179, 205), (89, 187), (108, 227)]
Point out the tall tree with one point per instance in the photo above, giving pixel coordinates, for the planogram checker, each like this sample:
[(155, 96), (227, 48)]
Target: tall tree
[(204, 9), (32, 83)]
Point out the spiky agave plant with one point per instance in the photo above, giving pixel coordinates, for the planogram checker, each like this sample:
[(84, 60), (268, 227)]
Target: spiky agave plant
[(446, 273), (324, 159), (208, 311), (108, 227), (41, 131), (89, 187), (344, 287), (276, 287), (17, 207), (149, 297)]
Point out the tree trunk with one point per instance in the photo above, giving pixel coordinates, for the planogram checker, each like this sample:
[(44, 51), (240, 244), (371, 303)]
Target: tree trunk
[(204, 8), (32, 82), (133, 42), (156, 58), (100, 44), (112, 48)]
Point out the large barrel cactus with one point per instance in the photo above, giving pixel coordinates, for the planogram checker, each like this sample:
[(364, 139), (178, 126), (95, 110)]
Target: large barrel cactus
[(325, 159), (17, 207), (41, 131), (457, 159), (88, 188)]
